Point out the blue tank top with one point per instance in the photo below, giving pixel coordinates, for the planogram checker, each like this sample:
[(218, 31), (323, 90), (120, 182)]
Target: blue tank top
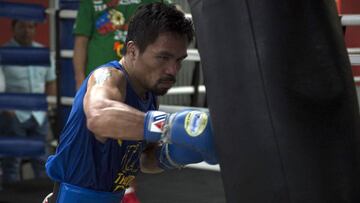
[(82, 160)]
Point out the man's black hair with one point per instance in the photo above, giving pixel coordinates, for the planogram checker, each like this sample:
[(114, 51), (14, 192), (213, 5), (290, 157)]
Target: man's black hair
[(152, 19), (14, 21)]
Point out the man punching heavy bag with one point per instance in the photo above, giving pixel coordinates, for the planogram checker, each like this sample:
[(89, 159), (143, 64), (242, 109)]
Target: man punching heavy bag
[(289, 129)]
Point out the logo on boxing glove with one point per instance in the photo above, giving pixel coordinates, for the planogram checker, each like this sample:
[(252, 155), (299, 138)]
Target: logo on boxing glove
[(158, 122), (195, 123)]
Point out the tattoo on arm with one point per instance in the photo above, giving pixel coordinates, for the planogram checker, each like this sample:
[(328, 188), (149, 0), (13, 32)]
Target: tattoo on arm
[(101, 76)]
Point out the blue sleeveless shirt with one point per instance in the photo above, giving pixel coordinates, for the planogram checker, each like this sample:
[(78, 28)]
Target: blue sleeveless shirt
[(82, 160)]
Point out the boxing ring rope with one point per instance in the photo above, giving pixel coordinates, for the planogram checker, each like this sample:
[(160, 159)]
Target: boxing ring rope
[(350, 20), (354, 56), (28, 55), (22, 11)]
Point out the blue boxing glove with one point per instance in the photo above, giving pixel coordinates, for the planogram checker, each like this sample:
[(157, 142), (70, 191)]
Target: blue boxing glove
[(189, 128), (172, 156)]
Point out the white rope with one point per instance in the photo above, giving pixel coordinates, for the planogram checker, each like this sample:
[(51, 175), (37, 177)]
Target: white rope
[(350, 20), (188, 15), (185, 90), (354, 59), (354, 55), (67, 53), (193, 55), (353, 50), (205, 166), (357, 79), (67, 101), (68, 14), (64, 13)]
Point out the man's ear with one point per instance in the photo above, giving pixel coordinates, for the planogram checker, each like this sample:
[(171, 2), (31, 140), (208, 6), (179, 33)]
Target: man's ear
[(132, 49)]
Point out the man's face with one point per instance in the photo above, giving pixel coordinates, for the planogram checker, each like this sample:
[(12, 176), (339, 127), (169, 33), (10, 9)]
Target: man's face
[(159, 64), (24, 32)]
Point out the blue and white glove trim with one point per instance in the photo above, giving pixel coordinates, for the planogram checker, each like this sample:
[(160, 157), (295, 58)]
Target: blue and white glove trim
[(155, 125)]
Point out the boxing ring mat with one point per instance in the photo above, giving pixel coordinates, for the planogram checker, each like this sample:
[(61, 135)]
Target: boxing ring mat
[(282, 99)]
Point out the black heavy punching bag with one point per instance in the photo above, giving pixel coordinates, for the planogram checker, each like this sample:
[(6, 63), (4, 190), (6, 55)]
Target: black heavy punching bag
[(282, 99)]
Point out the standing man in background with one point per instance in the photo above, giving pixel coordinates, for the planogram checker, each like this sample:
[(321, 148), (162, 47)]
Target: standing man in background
[(100, 31), (20, 79)]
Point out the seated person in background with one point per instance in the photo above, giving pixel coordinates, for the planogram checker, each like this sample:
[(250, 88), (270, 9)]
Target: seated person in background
[(114, 130), (29, 79)]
